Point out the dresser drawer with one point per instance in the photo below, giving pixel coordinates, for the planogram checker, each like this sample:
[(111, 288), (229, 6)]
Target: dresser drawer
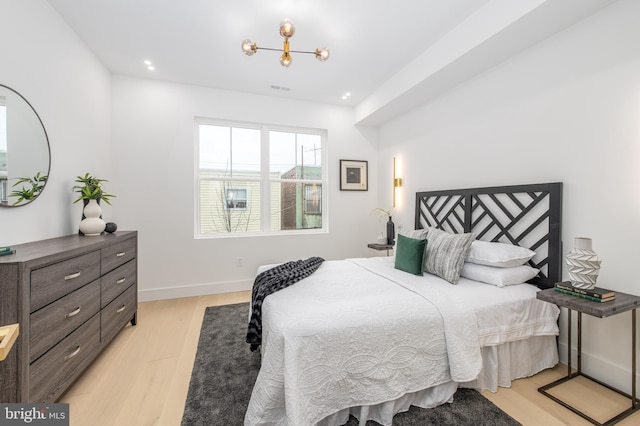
[(117, 281), (117, 313), (52, 323), (50, 375), (54, 281), (118, 254)]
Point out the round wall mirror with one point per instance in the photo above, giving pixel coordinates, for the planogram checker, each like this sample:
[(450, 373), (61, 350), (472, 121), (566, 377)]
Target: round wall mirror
[(25, 156)]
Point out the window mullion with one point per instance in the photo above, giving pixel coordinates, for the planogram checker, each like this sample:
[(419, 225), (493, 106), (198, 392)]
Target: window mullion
[(231, 152), (266, 184)]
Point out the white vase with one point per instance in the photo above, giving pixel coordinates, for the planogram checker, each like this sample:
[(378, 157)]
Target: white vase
[(92, 224), (583, 264)]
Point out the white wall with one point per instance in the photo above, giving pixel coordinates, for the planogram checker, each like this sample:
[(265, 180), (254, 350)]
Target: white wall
[(42, 59), (565, 110), (153, 138)]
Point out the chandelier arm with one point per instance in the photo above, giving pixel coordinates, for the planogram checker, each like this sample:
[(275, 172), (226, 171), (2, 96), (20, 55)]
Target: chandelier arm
[(280, 50)]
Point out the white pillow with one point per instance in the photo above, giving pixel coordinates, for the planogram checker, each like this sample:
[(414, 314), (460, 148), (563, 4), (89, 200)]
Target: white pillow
[(498, 276), (498, 254)]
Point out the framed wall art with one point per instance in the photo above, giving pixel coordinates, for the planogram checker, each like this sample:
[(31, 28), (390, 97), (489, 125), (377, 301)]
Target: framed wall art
[(353, 175)]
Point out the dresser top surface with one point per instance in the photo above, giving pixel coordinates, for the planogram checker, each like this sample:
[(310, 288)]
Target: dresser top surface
[(69, 243)]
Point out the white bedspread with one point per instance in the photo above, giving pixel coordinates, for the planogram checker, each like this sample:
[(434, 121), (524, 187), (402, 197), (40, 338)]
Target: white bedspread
[(359, 332)]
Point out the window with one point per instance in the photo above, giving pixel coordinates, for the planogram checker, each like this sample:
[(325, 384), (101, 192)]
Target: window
[(236, 199), (258, 179)]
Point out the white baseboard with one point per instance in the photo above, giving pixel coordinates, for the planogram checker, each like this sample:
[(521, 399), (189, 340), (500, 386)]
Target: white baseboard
[(612, 374), (192, 290)]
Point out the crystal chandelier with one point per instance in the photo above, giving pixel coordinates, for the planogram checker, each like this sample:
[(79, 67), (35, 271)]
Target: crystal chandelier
[(287, 30)]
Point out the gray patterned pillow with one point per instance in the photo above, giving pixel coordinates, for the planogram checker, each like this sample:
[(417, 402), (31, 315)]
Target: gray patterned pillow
[(446, 253), (416, 234)]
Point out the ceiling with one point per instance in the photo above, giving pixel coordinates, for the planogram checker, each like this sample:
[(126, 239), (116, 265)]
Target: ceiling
[(372, 43)]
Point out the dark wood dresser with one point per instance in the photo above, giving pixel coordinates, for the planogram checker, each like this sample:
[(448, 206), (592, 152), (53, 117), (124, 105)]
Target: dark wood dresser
[(70, 295)]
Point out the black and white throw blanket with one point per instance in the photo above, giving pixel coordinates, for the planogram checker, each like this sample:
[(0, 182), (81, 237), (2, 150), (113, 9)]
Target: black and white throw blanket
[(270, 281)]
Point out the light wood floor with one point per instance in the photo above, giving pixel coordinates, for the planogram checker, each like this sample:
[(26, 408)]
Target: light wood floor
[(142, 378)]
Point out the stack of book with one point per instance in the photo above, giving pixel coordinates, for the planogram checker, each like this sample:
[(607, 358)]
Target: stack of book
[(4, 251), (597, 294)]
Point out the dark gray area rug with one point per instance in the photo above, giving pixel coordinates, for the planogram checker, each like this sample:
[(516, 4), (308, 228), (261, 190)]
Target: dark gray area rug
[(225, 370)]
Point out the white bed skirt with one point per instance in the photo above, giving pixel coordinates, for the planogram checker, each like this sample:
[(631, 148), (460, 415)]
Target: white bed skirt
[(501, 365)]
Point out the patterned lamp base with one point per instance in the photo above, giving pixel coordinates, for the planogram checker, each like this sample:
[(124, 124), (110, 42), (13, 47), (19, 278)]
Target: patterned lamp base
[(583, 264)]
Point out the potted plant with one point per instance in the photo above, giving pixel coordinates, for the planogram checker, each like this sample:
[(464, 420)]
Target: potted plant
[(90, 191), (37, 183)]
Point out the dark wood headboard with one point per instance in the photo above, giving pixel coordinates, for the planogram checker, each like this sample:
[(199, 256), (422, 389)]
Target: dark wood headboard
[(526, 215)]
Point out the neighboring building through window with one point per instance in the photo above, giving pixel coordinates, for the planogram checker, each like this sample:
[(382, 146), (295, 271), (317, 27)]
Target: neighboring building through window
[(258, 179)]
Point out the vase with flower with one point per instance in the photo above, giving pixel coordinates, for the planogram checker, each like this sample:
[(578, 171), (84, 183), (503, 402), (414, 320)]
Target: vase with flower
[(391, 229)]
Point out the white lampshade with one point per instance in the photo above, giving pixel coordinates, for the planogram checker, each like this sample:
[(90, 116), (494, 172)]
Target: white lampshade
[(287, 29), (322, 53), (286, 60), (249, 47)]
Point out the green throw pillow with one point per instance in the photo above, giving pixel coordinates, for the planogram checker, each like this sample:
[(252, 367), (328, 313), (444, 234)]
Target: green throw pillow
[(410, 255)]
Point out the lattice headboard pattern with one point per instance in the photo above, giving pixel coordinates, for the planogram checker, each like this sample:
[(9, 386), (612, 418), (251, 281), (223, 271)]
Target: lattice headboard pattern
[(527, 215)]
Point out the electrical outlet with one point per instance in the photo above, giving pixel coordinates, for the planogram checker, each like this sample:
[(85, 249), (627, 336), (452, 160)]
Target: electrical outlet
[(239, 262)]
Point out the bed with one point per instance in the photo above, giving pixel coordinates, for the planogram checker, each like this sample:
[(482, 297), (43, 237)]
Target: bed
[(362, 337)]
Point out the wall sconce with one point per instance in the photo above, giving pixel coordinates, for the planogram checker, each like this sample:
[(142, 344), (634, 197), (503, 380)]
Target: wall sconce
[(397, 181)]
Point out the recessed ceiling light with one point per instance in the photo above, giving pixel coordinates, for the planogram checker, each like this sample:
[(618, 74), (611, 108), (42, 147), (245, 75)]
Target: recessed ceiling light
[(151, 68), (346, 96), (147, 62)]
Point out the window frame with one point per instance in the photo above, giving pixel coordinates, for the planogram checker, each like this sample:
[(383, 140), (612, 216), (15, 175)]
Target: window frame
[(266, 179)]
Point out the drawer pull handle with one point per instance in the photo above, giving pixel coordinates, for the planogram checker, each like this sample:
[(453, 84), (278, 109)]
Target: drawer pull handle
[(72, 354), (120, 309), (73, 313), (121, 280), (122, 253), (72, 276)]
